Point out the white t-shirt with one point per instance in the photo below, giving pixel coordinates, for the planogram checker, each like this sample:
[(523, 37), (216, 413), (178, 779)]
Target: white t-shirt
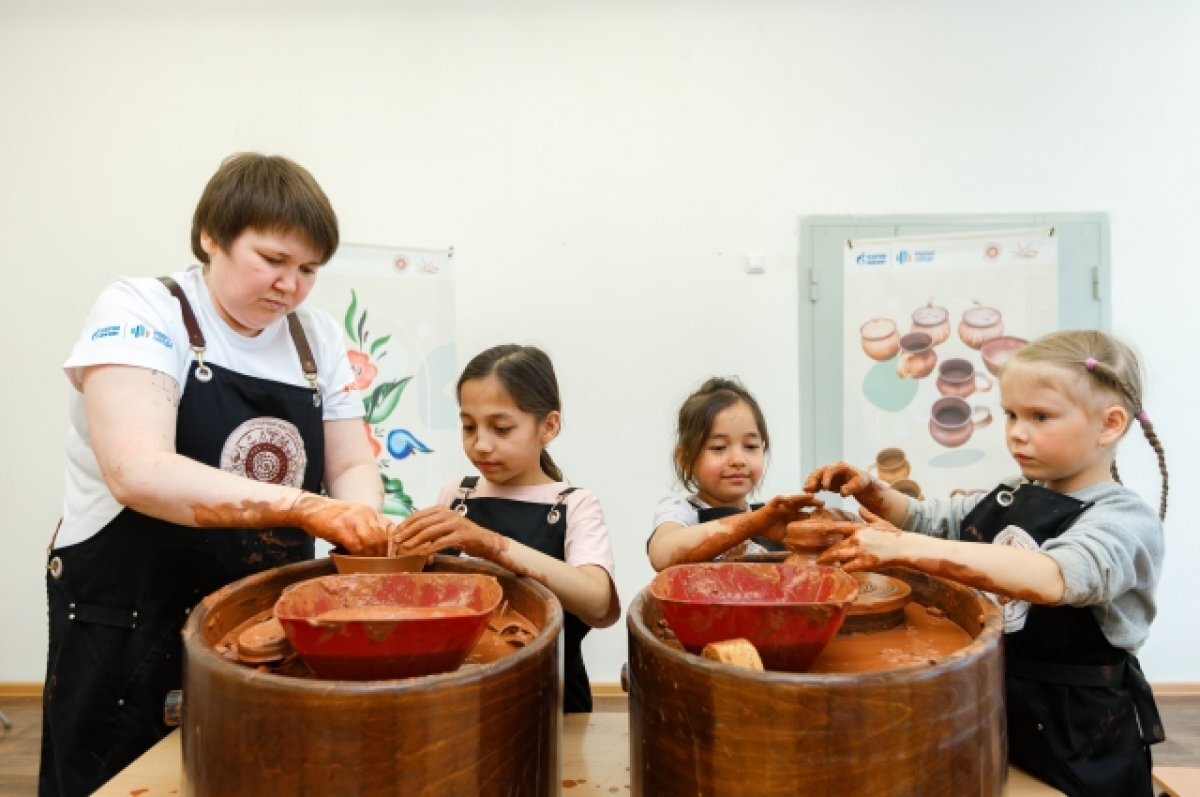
[(587, 541), (137, 322)]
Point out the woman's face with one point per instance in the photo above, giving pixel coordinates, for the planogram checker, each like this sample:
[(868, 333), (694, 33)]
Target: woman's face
[(261, 277)]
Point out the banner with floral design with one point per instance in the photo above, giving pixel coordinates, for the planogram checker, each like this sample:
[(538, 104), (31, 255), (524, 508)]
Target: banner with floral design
[(396, 306)]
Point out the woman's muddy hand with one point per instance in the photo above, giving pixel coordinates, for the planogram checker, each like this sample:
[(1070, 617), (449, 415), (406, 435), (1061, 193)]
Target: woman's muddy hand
[(357, 528)]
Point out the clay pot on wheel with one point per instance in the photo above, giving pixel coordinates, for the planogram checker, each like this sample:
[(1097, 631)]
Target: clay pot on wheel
[(880, 339), (917, 357)]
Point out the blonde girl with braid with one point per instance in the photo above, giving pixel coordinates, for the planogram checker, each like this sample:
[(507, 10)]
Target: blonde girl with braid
[(1074, 560)]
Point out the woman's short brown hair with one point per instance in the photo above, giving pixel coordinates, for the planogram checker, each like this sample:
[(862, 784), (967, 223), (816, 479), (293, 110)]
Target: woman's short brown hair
[(264, 192)]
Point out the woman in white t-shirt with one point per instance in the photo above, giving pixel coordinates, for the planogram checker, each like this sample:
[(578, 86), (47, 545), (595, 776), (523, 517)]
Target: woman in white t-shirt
[(209, 412)]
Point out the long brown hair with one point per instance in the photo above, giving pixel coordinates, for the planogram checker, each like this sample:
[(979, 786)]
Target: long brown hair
[(528, 376)]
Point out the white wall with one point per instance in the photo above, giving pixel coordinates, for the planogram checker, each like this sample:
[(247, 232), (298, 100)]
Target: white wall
[(600, 169)]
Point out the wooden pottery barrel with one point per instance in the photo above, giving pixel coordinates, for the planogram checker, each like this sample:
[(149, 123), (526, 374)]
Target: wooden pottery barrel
[(702, 728), (490, 729)]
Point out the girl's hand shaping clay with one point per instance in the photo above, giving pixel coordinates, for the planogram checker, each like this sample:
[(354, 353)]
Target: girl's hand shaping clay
[(840, 477), (876, 544), (430, 530)]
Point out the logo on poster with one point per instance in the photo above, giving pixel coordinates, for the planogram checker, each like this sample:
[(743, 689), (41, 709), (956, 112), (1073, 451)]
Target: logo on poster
[(872, 259), (902, 257)]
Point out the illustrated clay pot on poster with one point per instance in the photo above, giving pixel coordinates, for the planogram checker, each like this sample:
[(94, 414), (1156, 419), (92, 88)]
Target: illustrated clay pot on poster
[(933, 321), (958, 377), (997, 351), (917, 357), (880, 339), (952, 420), (890, 465), (908, 487), (980, 324)]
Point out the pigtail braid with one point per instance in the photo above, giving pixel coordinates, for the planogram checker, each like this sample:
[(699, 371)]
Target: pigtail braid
[(1156, 444)]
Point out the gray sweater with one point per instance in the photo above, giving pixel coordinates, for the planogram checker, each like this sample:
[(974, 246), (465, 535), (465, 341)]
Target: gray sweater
[(1111, 556)]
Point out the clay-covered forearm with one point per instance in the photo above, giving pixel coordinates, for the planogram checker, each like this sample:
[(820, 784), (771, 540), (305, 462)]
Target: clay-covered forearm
[(706, 541), (1017, 573), (849, 481), (585, 591), (885, 502)]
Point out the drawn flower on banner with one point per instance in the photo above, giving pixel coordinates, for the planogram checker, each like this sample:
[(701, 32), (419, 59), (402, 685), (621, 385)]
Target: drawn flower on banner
[(380, 401), (365, 371)]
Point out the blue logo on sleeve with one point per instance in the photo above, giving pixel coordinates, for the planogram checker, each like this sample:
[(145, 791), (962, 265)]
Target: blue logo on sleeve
[(138, 331), (111, 331)]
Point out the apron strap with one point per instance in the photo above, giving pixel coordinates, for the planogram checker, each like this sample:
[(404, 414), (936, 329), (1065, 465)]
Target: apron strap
[(300, 339), (195, 336), (1110, 675), (1143, 702)]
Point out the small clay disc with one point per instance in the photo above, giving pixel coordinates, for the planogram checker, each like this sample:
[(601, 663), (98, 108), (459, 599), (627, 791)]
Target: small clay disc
[(263, 642), (879, 605)]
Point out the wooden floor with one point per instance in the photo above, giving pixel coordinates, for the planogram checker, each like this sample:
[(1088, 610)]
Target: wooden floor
[(20, 745)]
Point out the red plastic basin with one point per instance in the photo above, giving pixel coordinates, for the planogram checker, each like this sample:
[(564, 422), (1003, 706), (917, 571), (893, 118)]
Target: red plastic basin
[(387, 625), (788, 612)]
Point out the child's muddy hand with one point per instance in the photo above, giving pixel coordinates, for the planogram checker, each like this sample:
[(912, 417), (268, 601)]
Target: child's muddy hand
[(840, 477)]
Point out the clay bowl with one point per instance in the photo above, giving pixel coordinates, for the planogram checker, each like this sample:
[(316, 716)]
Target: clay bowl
[(377, 626), (349, 563), (788, 612), (997, 351)]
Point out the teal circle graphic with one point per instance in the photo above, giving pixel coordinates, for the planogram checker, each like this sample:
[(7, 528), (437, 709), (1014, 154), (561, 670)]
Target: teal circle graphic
[(886, 390)]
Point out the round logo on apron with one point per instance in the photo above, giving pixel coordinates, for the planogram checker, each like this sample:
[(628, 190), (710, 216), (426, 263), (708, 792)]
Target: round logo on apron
[(266, 450), (1015, 611)]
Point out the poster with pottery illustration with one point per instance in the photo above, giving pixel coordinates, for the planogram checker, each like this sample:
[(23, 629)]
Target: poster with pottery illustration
[(930, 322), (396, 307)]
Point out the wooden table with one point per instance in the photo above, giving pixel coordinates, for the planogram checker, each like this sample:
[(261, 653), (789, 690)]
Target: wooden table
[(595, 754)]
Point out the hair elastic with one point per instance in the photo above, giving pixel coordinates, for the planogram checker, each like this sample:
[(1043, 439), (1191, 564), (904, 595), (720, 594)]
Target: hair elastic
[(1090, 363), (1142, 416)]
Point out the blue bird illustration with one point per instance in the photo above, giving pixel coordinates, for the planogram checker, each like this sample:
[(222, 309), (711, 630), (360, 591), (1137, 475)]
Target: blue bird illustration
[(402, 443)]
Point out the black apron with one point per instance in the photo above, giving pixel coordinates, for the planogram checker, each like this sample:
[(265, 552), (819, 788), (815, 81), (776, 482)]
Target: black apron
[(1080, 713), (708, 513), (118, 600), (542, 527)]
